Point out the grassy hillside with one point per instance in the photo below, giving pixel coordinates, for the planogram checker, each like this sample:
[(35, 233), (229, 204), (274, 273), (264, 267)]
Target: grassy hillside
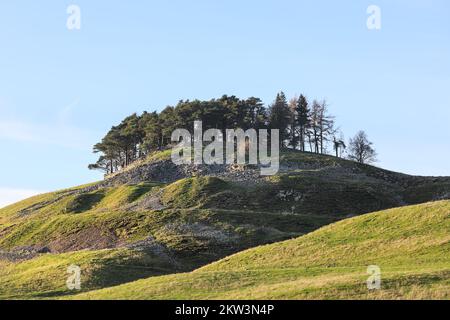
[(45, 276), (157, 218), (329, 263)]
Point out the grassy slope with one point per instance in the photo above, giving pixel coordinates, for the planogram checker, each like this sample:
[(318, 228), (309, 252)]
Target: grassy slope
[(204, 219), (328, 263), (99, 222), (45, 276)]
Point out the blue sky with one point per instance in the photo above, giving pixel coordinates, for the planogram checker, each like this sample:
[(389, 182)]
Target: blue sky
[(61, 90)]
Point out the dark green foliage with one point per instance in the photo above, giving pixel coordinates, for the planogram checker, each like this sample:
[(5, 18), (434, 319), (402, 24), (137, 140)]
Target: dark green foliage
[(139, 135), (302, 121), (280, 116)]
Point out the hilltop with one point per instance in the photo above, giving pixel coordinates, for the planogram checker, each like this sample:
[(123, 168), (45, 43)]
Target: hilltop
[(154, 218)]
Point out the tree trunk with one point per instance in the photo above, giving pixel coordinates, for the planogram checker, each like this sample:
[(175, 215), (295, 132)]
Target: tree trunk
[(302, 139)]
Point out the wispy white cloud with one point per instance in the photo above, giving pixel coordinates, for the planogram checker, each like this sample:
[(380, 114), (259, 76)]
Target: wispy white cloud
[(62, 135), (9, 195), (58, 133), (65, 114)]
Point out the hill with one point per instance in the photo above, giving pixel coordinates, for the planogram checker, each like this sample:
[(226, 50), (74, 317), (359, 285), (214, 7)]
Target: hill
[(155, 218), (328, 263)]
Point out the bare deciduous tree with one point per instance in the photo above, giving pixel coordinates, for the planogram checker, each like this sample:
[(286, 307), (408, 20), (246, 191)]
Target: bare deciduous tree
[(322, 125), (361, 150)]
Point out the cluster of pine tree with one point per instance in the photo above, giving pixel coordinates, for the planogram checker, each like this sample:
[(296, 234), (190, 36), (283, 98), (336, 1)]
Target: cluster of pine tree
[(303, 126)]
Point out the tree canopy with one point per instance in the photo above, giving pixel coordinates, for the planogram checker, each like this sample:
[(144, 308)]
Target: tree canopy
[(303, 126)]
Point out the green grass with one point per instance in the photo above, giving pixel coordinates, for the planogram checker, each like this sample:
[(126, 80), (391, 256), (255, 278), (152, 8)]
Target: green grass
[(330, 263), (199, 220), (192, 192), (46, 276), (126, 194), (153, 157), (193, 236)]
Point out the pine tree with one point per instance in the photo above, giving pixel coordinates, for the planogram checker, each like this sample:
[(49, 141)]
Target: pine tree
[(302, 120), (280, 117), (152, 127)]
